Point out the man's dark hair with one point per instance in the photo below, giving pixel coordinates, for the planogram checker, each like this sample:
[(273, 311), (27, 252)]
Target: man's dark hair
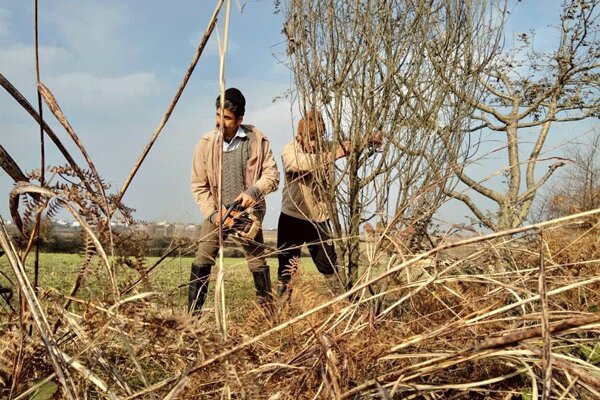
[(234, 102)]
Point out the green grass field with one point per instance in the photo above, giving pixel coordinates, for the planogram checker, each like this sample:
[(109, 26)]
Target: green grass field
[(58, 273)]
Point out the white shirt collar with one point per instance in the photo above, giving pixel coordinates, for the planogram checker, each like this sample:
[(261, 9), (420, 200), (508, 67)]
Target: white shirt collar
[(232, 145)]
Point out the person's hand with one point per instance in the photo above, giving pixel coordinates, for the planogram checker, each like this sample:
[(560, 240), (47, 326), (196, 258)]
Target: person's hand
[(246, 201), (343, 149)]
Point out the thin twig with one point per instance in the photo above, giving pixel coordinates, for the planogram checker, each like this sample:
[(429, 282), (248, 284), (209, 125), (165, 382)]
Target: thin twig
[(545, 326)]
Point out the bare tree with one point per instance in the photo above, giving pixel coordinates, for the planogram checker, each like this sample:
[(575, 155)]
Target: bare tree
[(577, 188), (364, 64), (525, 90)]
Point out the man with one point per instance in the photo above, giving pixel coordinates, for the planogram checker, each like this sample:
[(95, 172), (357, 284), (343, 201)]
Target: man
[(304, 217), (249, 174)]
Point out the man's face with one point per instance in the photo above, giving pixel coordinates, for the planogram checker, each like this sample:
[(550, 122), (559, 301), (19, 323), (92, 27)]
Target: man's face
[(230, 122), (311, 136)]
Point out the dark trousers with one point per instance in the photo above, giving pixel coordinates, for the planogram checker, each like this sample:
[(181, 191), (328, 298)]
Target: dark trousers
[(292, 233), (208, 249)]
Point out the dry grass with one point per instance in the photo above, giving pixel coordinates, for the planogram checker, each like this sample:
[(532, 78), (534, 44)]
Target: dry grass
[(486, 323), (465, 328)]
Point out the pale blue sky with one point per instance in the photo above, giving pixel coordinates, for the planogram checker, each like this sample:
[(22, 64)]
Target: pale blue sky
[(115, 65)]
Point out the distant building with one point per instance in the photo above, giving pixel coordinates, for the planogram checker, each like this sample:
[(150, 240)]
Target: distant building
[(118, 219)]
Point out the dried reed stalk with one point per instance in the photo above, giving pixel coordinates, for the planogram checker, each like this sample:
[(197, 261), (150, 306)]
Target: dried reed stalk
[(220, 309), (39, 99), (5, 83), (56, 110), (10, 166), (165, 118), (60, 116), (90, 377), (570, 367), (15, 201), (545, 326), (55, 355), (42, 150)]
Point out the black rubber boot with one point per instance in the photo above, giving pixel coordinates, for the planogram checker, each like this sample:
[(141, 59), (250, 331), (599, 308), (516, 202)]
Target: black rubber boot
[(198, 287), (262, 284)]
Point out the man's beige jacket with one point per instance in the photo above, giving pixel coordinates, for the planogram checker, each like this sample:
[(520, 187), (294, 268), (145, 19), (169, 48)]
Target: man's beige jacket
[(262, 175)]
